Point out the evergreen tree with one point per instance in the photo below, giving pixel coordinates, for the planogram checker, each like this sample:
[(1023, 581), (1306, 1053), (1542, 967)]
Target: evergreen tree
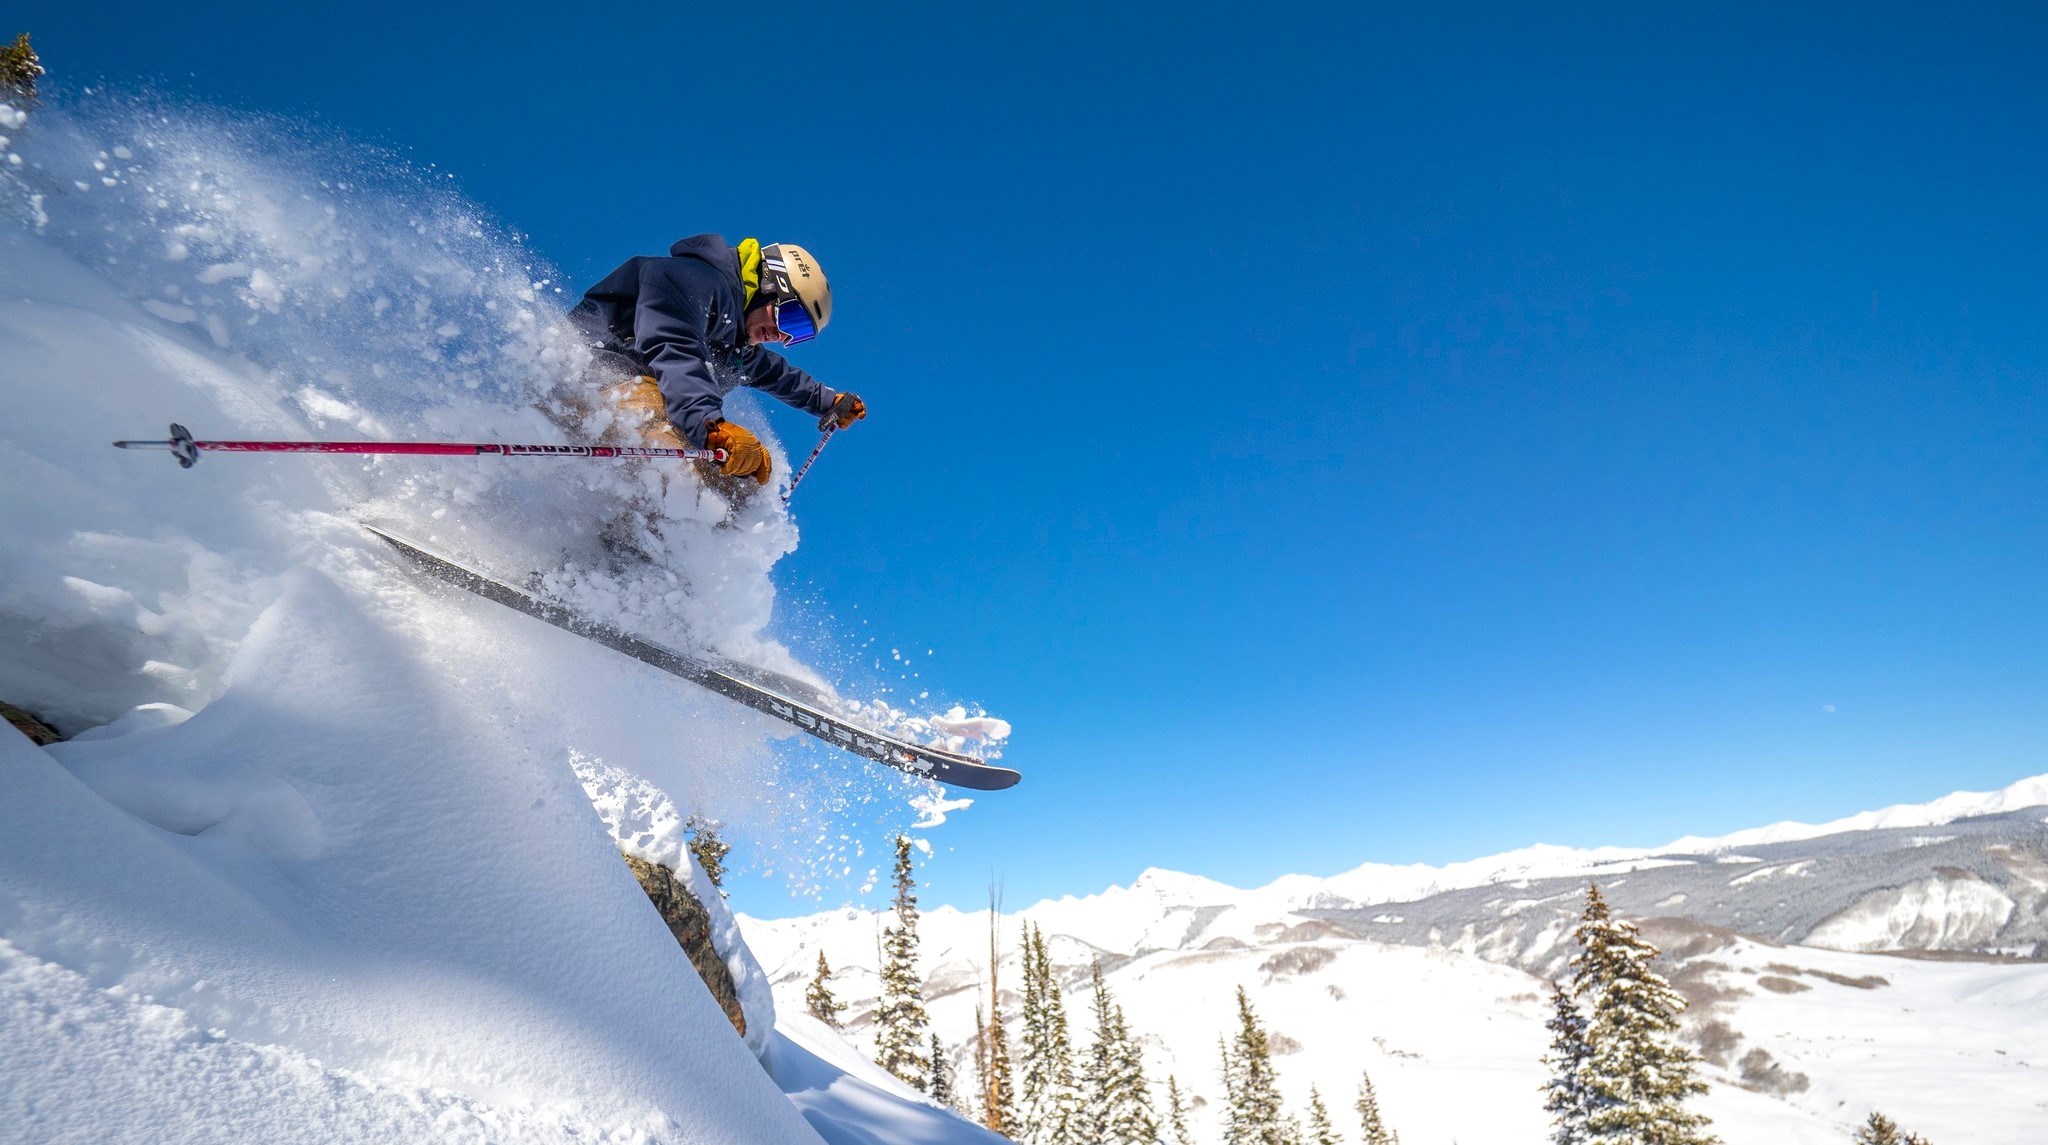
[(998, 1089), (1134, 1119), (1047, 1109), (819, 1000), (708, 849), (1882, 1130), (1372, 1128), (1566, 1096), (941, 1083), (900, 1021), (1255, 1116), (1116, 1105), (1177, 1112), (1320, 1131), (19, 70), (1637, 1076)]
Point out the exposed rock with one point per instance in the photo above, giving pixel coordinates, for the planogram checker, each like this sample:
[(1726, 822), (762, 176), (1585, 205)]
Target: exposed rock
[(1298, 960), (690, 924), (25, 722), (1764, 1075)]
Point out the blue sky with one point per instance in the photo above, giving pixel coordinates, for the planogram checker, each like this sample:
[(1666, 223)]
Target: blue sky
[(1331, 434)]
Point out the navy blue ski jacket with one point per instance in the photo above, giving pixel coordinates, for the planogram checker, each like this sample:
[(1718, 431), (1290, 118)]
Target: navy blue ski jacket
[(681, 320)]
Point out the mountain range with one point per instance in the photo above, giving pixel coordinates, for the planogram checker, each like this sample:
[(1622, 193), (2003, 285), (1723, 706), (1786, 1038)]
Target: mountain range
[(1895, 960)]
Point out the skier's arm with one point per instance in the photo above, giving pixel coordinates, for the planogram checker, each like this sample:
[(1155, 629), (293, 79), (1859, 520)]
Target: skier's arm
[(771, 373), (669, 325)]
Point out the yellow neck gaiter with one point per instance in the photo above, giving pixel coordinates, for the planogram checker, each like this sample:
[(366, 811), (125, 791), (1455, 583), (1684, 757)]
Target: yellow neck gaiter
[(749, 252)]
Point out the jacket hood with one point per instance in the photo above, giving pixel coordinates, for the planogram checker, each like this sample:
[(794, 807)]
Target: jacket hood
[(710, 248)]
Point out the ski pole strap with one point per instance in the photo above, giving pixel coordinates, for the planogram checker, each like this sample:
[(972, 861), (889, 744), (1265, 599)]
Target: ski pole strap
[(186, 450), (808, 462)]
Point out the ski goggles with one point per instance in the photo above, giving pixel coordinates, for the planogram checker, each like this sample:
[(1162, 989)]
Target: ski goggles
[(794, 321)]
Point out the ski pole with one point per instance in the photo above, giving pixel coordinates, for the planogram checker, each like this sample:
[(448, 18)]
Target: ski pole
[(806, 467), (187, 451)]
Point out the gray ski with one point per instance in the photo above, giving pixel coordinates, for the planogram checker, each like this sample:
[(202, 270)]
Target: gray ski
[(789, 700)]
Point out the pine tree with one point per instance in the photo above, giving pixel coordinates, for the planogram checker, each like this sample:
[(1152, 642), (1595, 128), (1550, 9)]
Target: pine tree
[(708, 849), (1177, 1112), (1047, 1109), (940, 1085), (1255, 1116), (1566, 1096), (819, 1000), (19, 70), (1882, 1130), (1637, 1076), (1372, 1126), (1134, 1119), (900, 1021), (1320, 1131), (1116, 1105), (998, 1089)]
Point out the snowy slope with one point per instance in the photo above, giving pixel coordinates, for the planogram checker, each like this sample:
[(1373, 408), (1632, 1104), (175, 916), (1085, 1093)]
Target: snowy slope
[(321, 860)]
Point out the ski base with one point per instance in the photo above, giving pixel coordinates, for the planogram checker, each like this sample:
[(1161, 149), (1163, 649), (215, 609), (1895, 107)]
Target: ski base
[(764, 692)]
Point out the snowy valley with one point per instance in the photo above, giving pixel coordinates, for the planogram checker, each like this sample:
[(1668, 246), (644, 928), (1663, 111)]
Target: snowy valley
[(1891, 960)]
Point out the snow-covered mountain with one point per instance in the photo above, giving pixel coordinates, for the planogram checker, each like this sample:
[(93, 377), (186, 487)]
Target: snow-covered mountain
[(1789, 941)]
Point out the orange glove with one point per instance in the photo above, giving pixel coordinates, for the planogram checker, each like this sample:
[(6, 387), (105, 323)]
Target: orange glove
[(846, 409), (745, 456)]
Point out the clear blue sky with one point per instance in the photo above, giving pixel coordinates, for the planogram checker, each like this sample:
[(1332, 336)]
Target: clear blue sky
[(1331, 434)]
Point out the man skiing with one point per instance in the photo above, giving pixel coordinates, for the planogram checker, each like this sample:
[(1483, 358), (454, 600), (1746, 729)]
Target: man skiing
[(686, 329)]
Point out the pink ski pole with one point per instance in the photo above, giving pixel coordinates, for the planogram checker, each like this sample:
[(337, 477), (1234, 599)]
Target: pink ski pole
[(830, 429), (187, 450)]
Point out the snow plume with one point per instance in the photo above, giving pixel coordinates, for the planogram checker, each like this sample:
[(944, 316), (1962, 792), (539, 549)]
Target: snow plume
[(332, 845), (251, 276)]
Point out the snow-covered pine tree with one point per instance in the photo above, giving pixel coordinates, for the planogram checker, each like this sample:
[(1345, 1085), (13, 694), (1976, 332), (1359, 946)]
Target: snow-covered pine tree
[(1879, 1130), (1177, 1112), (1097, 1067), (1372, 1127), (1233, 1083), (1882, 1130), (900, 1021), (1047, 1108), (19, 70), (1134, 1121), (708, 849), (818, 998), (940, 1085), (1320, 1131), (1637, 1076), (1116, 1105), (1566, 1097), (1255, 1116)]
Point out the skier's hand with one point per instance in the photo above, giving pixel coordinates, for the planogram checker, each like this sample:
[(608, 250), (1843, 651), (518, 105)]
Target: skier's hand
[(846, 409), (745, 456)]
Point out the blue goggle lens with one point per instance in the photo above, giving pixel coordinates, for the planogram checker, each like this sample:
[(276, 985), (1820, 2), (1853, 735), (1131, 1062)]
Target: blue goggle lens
[(795, 322)]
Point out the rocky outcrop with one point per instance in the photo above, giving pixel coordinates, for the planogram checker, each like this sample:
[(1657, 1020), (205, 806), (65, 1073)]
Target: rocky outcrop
[(691, 924)]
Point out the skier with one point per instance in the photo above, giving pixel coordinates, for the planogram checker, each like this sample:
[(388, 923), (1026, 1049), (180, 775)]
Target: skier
[(685, 329)]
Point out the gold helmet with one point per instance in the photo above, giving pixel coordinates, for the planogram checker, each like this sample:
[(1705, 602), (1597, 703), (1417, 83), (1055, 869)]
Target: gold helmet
[(788, 271)]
